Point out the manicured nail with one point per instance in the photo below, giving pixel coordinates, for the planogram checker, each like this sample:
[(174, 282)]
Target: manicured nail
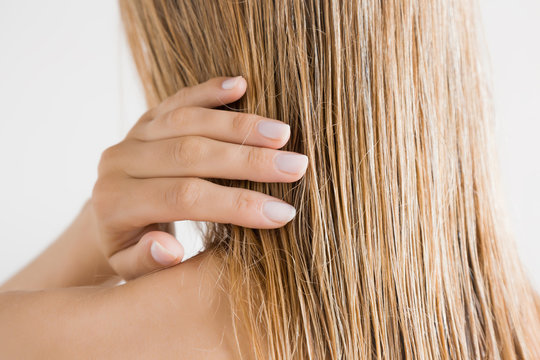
[(291, 163), (273, 130), (230, 83), (161, 254), (278, 211)]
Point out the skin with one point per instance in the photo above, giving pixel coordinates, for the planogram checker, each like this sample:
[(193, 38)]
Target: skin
[(65, 302), (177, 313)]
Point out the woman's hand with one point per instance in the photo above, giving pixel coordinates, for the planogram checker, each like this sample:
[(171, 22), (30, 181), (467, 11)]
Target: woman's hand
[(155, 175)]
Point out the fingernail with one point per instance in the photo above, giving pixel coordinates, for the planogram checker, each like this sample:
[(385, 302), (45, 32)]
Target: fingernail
[(273, 130), (278, 211), (161, 254), (291, 163), (230, 83)]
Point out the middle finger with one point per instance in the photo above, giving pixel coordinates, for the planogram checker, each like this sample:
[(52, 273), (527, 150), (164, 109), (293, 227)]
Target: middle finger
[(196, 156)]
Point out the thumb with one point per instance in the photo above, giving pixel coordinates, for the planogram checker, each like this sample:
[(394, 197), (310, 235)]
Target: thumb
[(155, 250)]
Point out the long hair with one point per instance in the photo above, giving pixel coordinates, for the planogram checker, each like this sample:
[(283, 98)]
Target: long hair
[(398, 249)]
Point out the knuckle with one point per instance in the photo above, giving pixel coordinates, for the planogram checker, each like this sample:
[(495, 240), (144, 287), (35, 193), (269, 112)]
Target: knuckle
[(183, 194), (178, 117), (148, 115), (109, 153), (243, 123), (245, 202), (108, 156), (256, 158), (181, 96), (139, 131), (103, 198), (187, 151), (98, 200), (177, 99)]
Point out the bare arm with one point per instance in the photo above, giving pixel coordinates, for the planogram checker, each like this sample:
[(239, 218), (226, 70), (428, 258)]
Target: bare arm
[(180, 312), (36, 323)]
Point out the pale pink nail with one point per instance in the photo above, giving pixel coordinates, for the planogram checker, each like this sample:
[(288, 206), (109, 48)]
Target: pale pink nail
[(273, 130), (291, 163), (230, 83), (278, 211), (162, 255)]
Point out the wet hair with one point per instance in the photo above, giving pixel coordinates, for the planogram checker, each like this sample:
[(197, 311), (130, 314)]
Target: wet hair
[(399, 248)]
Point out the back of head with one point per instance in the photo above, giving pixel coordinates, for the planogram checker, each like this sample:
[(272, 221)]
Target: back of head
[(397, 250)]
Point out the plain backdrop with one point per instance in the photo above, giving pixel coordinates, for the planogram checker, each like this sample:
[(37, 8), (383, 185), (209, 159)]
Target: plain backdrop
[(68, 90)]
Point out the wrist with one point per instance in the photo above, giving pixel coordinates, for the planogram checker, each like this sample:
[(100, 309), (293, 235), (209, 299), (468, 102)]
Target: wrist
[(82, 237)]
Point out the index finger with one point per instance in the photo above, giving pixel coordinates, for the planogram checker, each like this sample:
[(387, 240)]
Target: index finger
[(212, 93)]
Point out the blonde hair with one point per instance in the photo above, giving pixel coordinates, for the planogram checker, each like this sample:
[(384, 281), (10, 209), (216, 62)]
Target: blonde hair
[(398, 249)]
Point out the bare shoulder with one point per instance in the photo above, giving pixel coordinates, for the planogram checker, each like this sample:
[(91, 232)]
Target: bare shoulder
[(179, 313), (182, 312)]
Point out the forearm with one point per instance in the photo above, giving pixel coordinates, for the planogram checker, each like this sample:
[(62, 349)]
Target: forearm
[(73, 259)]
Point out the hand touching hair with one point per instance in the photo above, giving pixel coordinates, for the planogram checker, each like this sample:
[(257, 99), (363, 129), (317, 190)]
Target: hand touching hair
[(398, 249)]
